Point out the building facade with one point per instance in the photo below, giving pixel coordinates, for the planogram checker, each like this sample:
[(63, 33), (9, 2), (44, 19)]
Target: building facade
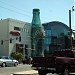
[(15, 36), (55, 35)]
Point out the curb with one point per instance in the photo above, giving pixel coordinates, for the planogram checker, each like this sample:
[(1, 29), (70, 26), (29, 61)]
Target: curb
[(29, 72)]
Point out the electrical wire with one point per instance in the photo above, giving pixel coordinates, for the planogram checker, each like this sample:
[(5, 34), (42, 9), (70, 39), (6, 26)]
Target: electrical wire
[(16, 8), (13, 6), (14, 11)]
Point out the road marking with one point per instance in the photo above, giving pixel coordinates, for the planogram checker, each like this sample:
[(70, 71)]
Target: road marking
[(72, 73), (52, 74), (29, 72)]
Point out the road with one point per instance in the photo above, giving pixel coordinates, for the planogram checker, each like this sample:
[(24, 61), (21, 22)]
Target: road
[(19, 68), (11, 70)]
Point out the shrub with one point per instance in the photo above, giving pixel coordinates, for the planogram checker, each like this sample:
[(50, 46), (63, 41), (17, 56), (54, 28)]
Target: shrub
[(16, 55)]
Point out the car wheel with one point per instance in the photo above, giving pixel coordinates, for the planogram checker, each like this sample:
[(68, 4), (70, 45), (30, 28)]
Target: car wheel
[(41, 72), (15, 64), (65, 71), (3, 64)]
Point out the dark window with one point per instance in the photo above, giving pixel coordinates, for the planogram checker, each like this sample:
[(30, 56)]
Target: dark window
[(58, 53), (64, 54), (6, 58), (19, 38), (21, 45), (69, 54), (26, 50), (17, 28), (0, 57)]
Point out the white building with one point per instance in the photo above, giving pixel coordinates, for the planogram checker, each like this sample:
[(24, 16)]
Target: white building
[(15, 36)]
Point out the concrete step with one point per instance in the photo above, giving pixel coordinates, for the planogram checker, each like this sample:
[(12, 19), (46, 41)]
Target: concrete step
[(29, 72)]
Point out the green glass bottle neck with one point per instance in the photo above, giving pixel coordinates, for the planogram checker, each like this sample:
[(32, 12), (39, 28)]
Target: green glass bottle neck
[(36, 19)]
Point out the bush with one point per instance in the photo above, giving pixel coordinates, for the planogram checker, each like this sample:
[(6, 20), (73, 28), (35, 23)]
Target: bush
[(16, 55)]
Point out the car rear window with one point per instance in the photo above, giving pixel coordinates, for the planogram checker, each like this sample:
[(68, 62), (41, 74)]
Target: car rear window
[(58, 53), (64, 54), (69, 54)]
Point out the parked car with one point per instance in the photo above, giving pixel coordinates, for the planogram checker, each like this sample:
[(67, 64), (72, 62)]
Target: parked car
[(8, 61)]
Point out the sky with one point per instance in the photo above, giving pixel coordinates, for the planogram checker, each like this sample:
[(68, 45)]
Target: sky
[(50, 10)]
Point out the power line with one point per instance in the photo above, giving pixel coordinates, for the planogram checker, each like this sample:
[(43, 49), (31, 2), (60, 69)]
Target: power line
[(14, 11), (13, 6), (16, 8)]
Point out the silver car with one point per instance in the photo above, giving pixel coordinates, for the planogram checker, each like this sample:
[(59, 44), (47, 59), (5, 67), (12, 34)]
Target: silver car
[(7, 61)]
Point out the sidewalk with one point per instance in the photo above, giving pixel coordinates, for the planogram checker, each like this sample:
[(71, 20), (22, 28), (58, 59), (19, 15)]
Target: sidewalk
[(29, 72)]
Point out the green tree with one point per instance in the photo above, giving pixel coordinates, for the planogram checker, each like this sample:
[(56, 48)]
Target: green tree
[(17, 55)]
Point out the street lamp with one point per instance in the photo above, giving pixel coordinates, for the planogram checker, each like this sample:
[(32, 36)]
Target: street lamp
[(70, 27)]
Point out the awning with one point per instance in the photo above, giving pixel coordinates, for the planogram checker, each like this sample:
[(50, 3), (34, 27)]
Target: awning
[(15, 33)]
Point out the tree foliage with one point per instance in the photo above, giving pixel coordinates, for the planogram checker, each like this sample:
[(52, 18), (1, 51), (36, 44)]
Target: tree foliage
[(17, 55)]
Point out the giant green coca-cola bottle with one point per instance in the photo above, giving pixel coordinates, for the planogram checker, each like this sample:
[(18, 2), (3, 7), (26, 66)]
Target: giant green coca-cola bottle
[(37, 34)]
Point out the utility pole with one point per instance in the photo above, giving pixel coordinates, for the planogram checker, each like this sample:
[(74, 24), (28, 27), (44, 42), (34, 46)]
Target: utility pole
[(70, 26), (70, 30)]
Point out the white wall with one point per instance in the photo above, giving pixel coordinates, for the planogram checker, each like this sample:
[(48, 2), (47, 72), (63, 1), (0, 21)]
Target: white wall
[(4, 36), (7, 26)]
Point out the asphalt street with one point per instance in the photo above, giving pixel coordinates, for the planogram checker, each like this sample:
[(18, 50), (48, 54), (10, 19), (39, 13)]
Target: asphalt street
[(11, 70), (18, 69)]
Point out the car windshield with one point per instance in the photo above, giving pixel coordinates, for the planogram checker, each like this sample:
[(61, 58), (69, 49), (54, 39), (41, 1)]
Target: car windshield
[(11, 58)]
